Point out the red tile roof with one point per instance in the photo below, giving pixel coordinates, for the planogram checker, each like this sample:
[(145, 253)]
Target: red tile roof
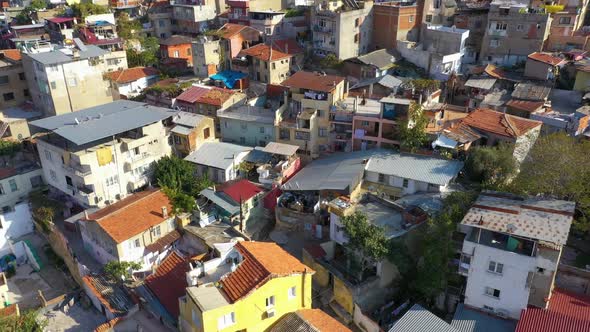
[(192, 94), (494, 72), (176, 40), (570, 304), (288, 46), (313, 81), (322, 321), (168, 283), (262, 52), (239, 189), (262, 261), (7, 172), (132, 215), (546, 58), (108, 326), (9, 310), (131, 74), (160, 244), (525, 105), (498, 123), (229, 30), (13, 55), (215, 96), (60, 19)]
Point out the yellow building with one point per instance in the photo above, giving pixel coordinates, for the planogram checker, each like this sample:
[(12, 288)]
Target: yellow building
[(267, 284)]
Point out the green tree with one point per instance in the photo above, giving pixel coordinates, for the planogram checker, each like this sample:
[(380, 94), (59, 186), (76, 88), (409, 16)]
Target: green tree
[(84, 9), (28, 320), (174, 173), (117, 271), (126, 27), (366, 242), (181, 202), (493, 167), (38, 4), (557, 166), (148, 56), (330, 61), (413, 130), (9, 148)]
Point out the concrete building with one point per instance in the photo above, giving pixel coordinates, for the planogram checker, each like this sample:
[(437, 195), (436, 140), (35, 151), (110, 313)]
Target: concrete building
[(371, 65), (342, 28), (61, 28), (543, 66), (305, 121), (472, 16), (235, 38), (511, 251), (193, 16), (375, 123), (252, 124), (218, 161), (160, 17), (264, 63), (70, 79), (191, 131), (439, 12), (565, 31), (206, 56), (393, 21), (514, 31), (99, 155), (270, 22), (179, 49), (140, 228), (101, 30), (13, 82), (15, 123), (131, 82)]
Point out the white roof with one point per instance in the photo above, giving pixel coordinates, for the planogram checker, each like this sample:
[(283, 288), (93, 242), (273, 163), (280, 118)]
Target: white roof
[(217, 154)]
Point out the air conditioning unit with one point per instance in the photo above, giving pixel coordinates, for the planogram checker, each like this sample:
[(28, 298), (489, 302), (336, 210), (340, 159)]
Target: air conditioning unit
[(502, 313), (270, 313)]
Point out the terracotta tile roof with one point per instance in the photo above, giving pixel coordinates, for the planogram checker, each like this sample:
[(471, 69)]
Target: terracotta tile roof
[(132, 215), (9, 310), (13, 55), (131, 74), (288, 46), (262, 261), (176, 40), (192, 94), (215, 96), (168, 283), (7, 172), (546, 58), (237, 189), (525, 105), (502, 124), (313, 81), (262, 52), (229, 30), (570, 304), (495, 72), (108, 326), (322, 321), (160, 244)]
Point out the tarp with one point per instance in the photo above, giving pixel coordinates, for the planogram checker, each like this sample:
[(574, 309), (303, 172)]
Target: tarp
[(228, 77)]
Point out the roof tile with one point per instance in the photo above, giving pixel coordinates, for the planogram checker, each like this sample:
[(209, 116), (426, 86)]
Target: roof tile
[(322, 321), (131, 74), (546, 58), (499, 123), (263, 52), (169, 283), (313, 81)]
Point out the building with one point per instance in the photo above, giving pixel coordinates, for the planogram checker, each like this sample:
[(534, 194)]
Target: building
[(218, 161), (13, 83), (266, 284), (252, 124), (468, 319), (191, 131), (130, 82), (308, 319), (417, 318), (371, 65), (514, 31), (472, 16), (15, 123), (305, 121), (342, 28), (235, 38), (108, 297), (565, 31), (160, 18), (282, 166), (511, 251), (206, 56), (99, 155), (178, 49), (265, 63), (401, 20), (61, 28), (375, 123), (192, 17), (140, 228), (69, 79), (208, 101), (582, 82), (543, 66), (268, 21), (101, 30)]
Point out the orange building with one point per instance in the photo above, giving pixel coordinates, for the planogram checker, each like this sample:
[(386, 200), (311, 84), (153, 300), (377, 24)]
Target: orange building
[(176, 50)]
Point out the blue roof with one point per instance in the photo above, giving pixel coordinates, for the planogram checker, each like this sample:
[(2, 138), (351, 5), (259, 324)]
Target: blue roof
[(228, 77), (468, 320)]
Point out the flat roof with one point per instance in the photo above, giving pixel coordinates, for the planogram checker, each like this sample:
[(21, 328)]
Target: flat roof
[(208, 297), (383, 216), (469, 320), (216, 154), (280, 148), (99, 122), (13, 114), (249, 113), (57, 56)]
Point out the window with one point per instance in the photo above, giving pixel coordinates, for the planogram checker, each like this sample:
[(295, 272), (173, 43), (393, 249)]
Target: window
[(26, 93), (226, 320), (285, 134), (21, 76), (53, 85), (411, 18), (207, 132), (381, 178), (428, 18), (270, 301), (267, 31), (157, 231), (495, 267), (494, 43), (2, 192), (161, 23), (176, 140), (405, 184), (176, 54), (8, 96), (136, 243), (357, 22), (53, 175), (292, 292), (519, 27), (323, 132), (36, 181), (364, 123), (565, 20), (495, 293), (262, 130), (3, 79), (72, 81)]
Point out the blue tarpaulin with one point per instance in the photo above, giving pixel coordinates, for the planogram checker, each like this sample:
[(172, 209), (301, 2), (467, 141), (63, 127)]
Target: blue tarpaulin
[(228, 77)]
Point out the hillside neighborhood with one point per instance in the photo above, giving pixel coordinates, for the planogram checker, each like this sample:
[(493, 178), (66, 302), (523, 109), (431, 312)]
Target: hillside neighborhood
[(295, 165)]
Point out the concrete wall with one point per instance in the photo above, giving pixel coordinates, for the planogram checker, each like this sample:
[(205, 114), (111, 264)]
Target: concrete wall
[(573, 279), (538, 70), (205, 56), (353, 40), (14, 225), (17, 86), (246, 132), (524, 144), (134, 88), (392, 22), (23, 184)]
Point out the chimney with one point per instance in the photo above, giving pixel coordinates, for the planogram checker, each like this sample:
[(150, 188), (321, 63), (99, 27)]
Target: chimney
[(164, 212)]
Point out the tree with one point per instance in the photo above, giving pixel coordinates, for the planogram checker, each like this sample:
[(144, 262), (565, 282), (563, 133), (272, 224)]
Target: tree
[(44, 216), (174, 173), (28, 320), (38, 4), (127, 28), (330, 61), (413, 130), (84, 9), (181, 202), (366, 241), (493, 167), (557, 167), (117, 271), (148, 56)]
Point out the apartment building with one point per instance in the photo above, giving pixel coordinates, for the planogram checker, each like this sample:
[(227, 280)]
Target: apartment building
[(565, 30), (131, 82), (342, 28), (140, 228), (177, 47), (439, 12), (101, 154), (393, 21), (193, 16), (160, 17), (252, 124), (511, 251), (305, 122), (261, 284), (264, 63), (69, 79), (13, 83), (206, 56), (514, 31), (472, 16), (190, 131), (101, 30)]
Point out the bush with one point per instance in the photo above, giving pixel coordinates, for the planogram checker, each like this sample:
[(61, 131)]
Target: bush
[(9, 148)]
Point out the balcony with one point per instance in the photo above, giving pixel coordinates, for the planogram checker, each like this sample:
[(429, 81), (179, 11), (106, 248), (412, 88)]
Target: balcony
[(339, 116), (130, 143), (135, 161), (82, 171), (497, 33), (86, 195), (322, 29), (503, 241)]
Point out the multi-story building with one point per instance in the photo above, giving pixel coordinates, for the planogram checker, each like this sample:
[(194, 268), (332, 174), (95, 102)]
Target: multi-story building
[(267, 21), (472, 16), (438, 12), (177, 47), (61, 28), (511, 251), (191, 131), (99, 155), (193, 16), (160, 17), (206, 56), (393, 21), (264, 63), (235, 38), (69, 79), (140, 228), (131, 82), (101, 30), (131, 7), (260, 284), (342, 28), (14, 123), (218, 161), (251, 124), (13, 82), (514, 31), (564, 32), (305, 121)]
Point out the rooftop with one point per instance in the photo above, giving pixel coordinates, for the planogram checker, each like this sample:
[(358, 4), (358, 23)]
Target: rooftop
[(215, 233), (131, 74), (112, 295), (249, 113), (168, 282), (525, 105), (484, 83), (208, 297), (216, 154), (186, 119), (546, 58), (288, 46), (132, 215), (388, 81), (14, 114), (565, 101), (530, 91), (382, 59), (239, 190), (192, 94), (98, 122), (418, 319), (176, 40), (64, 55), (498, 123), (229, 30), (263, 52), (280, 149), (308, 320), (535, 218), (469, 320), (313, 81)]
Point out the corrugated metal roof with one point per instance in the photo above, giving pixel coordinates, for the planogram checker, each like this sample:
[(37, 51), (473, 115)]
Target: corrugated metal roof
[(216, 154), (281, 148), (539, 320), (467, 320), (188, 119), (415, 167), (418, 319), (481, 83), (57, 56), (181, 130), (95, 123)]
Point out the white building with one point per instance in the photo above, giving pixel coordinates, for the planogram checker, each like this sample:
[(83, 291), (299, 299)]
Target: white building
[(218, 161), (101, 154), (511, 251), (14, 224), (131, 82)]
